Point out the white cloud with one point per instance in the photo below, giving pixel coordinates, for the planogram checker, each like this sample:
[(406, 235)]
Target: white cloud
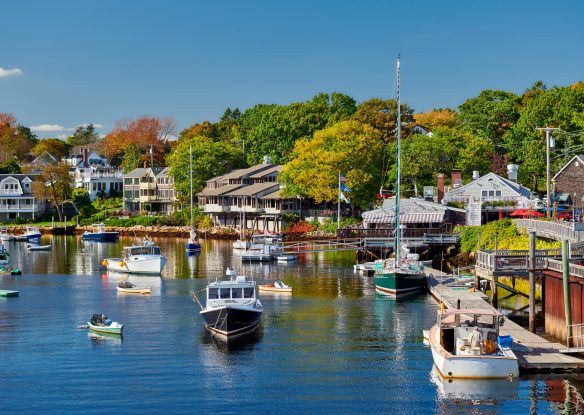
[(49, 127), (5, 73), (96, 125)]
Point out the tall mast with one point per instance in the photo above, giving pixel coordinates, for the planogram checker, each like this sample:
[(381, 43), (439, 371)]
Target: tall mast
[(397, 236), (191, 178)]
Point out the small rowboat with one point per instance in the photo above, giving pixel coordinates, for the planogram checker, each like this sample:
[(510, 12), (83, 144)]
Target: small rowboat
[(101, 324), (276, 286), (126, 287)]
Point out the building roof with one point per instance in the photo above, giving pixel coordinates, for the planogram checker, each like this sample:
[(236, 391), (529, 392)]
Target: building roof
[(19, 177), (254, 189), (411, 211), (516, 187), (141, 171), (218, 191), (579, 158), (275, 195), (262, 173), (247, 171)]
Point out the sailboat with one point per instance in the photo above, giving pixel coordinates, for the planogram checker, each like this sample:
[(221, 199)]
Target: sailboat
[(401, 274), (192, 245), (242, 243)]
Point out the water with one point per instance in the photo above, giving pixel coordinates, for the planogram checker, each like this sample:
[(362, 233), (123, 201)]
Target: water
[(333, 346)]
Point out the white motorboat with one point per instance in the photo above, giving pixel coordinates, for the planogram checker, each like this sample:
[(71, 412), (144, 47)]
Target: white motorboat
[(140, 259), (466, 344), (232, 308), (37, 247), (31, 233), (4, 255), (4, 235), (276, 286), (256, 255)]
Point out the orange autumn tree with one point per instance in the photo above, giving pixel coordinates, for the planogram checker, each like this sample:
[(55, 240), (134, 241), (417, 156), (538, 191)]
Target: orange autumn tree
[(132, 140)]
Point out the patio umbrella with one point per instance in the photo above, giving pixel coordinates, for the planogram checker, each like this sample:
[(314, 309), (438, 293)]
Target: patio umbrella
[(519, 212), (535, 213)]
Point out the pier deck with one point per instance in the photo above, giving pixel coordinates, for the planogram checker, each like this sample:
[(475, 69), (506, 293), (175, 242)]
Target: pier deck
[(534, 353)]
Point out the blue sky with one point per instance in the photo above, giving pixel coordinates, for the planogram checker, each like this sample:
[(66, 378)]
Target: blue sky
[(66, 63)]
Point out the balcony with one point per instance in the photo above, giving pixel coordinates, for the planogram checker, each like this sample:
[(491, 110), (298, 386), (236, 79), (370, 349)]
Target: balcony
[(11, 192), (209, 208), (153, 198), (247, 209), (147, 186)]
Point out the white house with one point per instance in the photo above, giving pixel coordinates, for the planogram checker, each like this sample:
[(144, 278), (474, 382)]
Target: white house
[(99, 181), (16, 198)]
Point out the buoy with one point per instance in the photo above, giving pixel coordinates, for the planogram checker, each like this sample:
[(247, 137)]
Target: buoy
[(104, 263), (122, 264)]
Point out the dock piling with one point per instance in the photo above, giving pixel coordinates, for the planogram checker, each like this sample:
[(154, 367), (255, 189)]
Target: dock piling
[(531, 263), (566, 281)]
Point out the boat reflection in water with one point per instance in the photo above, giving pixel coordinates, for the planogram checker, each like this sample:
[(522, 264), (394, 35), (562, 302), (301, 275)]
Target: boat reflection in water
[(488, 391), (105, 338), (243, 343)]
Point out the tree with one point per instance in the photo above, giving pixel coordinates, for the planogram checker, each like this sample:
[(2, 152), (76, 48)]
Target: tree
[(54, 183), (15, 140), (382, 115), (145, 133), (210, 159), (55, 147), (10, 167), (443, 117), (349, 147), (133, 156), (83, 135), (80, 197)]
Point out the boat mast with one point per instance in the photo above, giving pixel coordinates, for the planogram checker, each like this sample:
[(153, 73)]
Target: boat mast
[(191, 177), (396, 229)]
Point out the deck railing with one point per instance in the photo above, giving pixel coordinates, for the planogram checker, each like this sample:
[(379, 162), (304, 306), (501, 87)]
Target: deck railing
[(576, 340), (553, 230)]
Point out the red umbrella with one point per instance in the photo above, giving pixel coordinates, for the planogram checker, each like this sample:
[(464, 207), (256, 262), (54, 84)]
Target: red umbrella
[(519, 212), (534, 213)]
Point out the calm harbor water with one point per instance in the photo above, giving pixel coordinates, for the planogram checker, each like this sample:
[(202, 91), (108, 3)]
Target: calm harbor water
[(333, 345)]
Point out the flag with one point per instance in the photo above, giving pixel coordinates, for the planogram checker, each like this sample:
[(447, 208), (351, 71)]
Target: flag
[(343, 197), (342, 178), (345, 188)]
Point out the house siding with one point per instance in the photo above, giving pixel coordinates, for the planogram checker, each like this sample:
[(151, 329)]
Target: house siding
[(571, 180)]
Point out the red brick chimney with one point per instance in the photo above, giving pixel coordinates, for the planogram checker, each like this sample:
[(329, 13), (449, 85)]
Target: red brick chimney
[(145, 164), (455, 178), (440, 186)]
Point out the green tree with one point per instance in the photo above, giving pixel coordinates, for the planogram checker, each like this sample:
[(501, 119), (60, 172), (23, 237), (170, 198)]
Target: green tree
[(210, 159), (382, 115), (349, 147), (10, 167), (83, 135), (55, 147), (54, 183), (132, 158), (80, 197)]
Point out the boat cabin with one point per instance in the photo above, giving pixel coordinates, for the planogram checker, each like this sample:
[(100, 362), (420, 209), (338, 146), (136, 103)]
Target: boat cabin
[(130, 251), (238, 290), (469, 331)]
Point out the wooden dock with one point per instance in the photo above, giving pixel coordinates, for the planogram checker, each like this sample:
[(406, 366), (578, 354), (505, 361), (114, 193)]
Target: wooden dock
[(534, 353)]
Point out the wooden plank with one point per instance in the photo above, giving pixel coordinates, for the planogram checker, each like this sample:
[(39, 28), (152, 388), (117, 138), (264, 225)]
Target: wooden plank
[(533, 352)]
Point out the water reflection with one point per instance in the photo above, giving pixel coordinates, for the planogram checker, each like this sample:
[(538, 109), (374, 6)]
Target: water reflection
[(105, 338), (486, 390)]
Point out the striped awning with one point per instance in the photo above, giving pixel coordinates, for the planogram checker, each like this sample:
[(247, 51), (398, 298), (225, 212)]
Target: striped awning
[(386, 217)]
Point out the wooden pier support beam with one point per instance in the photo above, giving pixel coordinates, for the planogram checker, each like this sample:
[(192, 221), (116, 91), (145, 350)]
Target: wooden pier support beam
[(531, 262), (566, 280)]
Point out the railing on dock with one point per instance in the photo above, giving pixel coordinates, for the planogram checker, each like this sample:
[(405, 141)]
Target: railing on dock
[(322, 246), (576, 270), (570, 230), (576, 340), (516, 261)]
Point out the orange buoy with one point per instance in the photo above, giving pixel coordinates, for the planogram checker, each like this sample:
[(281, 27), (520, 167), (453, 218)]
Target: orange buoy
[(104, 263), (122, 264)]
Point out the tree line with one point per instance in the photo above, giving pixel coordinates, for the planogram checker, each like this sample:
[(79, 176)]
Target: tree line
[(332, 133)]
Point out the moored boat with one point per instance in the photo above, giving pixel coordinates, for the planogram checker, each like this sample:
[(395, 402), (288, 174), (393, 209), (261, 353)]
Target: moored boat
[(31, 233), (139, 259), (100, 234), (4, 255), (101, 324), (128, 287), (276, 286), (465, 343), (232, 308), (37, 247), (4, 235), (192, 245)]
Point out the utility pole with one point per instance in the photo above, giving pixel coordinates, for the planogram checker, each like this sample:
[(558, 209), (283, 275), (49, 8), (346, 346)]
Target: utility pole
[(151, 156), (548, 130)]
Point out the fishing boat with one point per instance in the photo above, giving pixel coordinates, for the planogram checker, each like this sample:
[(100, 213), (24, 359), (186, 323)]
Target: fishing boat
[(128, 287), (4, 235), (4, 255), (401, 274), (100, 234), (101, 324), (232, 308), (256, 255), (192, 245), (285, 258), (276, 286), (465, 343), (138, 259), (37, 247), (31, 233)]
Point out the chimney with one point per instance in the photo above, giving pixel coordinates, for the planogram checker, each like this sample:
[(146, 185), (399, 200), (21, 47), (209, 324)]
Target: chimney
[(512, 172), (267, 160), (455, 178), (85, 153), (440, 186), (475, 174), (145, 164)]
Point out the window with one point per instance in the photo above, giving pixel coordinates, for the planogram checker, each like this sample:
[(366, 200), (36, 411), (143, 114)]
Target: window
[(248, 292), (236, 293), (498, 193), (491, 193), (213, 293), (225, 292), (127, 182), (485, 193)]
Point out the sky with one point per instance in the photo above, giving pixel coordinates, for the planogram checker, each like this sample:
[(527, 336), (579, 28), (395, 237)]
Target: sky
[(69, 63)]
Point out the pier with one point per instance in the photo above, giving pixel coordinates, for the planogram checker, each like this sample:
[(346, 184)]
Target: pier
[(534, 353)]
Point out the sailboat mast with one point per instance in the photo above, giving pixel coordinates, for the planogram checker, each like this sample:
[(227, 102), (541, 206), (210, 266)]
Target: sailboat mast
[(191, 179), (396, 228)]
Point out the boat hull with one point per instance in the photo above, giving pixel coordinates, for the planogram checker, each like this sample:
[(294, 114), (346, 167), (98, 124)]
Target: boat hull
[(113, 329), (100, 236), (231, 321), (271, 288), (472, 367), (39, 247), (149, 265), (144, 290), (399, 283), (192, 247)]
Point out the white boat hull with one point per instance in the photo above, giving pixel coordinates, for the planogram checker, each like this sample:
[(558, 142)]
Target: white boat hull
[(135, 290), (241, 244), (472, 367), (143, 265)]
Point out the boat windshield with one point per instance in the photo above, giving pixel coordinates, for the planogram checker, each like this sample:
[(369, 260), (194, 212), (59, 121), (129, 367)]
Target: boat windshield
[(468, 320), (234, 292), (144, 250)]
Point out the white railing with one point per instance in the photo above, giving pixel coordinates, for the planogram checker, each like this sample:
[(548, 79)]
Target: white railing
[(554, 230), (576, 340)]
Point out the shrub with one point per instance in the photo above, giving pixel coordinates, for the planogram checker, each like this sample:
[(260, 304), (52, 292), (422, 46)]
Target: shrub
[(301, 227)]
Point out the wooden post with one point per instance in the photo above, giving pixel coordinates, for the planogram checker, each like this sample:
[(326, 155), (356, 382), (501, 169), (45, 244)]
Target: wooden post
[(566, 272), (531, 270)]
